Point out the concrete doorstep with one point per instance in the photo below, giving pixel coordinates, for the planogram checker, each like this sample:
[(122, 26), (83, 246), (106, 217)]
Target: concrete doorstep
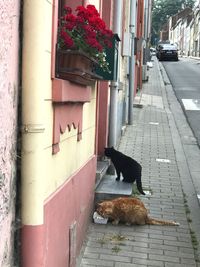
[(109, 188)]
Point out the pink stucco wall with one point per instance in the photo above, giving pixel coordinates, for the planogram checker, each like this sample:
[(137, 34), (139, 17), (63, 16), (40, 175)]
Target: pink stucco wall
[(9, 45), (58, 241)]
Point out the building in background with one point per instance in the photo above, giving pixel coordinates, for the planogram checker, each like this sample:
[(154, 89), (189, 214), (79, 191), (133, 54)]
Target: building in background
[(183, 29)]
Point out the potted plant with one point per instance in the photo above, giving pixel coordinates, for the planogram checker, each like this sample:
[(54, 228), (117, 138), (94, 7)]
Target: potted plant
[(82, 40)]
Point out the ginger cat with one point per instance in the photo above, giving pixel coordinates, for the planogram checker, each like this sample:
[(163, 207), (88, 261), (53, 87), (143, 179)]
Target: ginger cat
[(128, 210)]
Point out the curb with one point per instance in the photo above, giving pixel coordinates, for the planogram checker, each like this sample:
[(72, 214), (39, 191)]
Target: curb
[(189, 183)]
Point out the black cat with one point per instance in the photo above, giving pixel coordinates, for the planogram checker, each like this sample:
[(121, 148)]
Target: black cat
[(130, 168)]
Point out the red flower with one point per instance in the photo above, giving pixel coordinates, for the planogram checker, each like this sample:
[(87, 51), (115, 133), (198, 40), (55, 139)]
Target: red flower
[(67, 39), (70, 17), (97, 23), (80, 9), (82, 12), (89, 31), (92, 10), (92, 21), (69, 26), (67, 9), (93, 43), (79, 20), (109, 33), (108, 43)]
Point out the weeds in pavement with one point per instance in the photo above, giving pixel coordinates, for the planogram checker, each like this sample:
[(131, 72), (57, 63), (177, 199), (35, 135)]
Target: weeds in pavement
[(112, 239), (115, 240), (101, 241), (116, 249), (194, 240)]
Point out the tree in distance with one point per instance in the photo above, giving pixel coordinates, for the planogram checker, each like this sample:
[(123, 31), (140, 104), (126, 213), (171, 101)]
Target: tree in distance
[(163, 9)]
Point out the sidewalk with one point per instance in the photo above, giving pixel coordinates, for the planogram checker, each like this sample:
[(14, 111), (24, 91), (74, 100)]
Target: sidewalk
[(155, 140)]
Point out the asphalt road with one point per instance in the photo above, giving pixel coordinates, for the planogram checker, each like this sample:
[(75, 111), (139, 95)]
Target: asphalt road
[(184, 76)]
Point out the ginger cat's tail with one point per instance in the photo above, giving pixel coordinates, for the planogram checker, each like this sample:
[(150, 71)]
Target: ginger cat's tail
[(160, 222)]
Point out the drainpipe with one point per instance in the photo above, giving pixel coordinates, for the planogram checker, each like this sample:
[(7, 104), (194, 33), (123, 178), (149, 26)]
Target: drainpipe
[(32, 170), (131, 60), (145, 47), (117, 22)]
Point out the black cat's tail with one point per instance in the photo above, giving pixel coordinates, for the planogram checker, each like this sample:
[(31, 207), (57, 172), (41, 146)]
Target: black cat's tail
[(139, 186)]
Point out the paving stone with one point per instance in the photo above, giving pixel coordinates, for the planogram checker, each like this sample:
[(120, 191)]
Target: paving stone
[(164, 247), (115, 258), (178, 244), (93, 262), (187, 261), (119, 264), (149, 240), (91, 255), (87, 265), (148, 262), (149, 250), (161, 237), (168, 264), (164, 258), (179, 254)]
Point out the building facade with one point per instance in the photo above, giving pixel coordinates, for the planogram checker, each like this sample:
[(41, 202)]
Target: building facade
[(64, 126)]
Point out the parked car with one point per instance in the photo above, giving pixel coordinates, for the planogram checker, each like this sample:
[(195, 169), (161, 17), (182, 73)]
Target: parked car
[(167, 51)]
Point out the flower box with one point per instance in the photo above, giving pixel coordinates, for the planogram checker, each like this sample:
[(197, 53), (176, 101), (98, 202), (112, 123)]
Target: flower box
[(82, 41), (76, 66)]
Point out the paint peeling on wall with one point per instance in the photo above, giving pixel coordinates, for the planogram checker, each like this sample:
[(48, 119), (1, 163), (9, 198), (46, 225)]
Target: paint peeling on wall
[(9, 23)]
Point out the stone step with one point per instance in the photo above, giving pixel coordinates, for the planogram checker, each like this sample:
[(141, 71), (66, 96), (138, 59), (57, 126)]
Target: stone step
[(102, 166), (109, 188)]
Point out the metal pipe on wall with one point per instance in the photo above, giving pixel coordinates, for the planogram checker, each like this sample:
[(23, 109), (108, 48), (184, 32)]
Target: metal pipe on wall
[(132, 60), (117, 22), (33, 134), (33, 126)]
